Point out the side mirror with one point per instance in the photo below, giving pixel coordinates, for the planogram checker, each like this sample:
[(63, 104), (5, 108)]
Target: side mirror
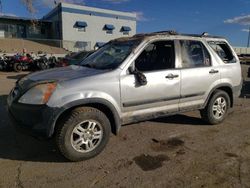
[(139, 76), (131, 70)]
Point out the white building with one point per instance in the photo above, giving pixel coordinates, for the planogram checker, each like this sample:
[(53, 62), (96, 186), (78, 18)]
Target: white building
[(85, 28)]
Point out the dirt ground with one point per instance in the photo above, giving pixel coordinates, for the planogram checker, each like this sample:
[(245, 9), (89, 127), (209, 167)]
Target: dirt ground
[(177, 151)]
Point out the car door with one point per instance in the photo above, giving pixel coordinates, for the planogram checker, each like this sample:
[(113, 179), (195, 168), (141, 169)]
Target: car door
[(198, 74), (161, 94)]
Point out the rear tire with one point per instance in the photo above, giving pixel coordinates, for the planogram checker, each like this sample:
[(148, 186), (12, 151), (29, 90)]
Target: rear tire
[(83, 134), (17, 67), (217, 108)]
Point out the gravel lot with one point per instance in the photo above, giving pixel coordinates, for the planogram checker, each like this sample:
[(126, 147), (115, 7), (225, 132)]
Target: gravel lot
[(177, 151)]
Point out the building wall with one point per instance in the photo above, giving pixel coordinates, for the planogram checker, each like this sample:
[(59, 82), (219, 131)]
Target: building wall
[(12, 28), (96, 20), (55, 16), (59, 26)]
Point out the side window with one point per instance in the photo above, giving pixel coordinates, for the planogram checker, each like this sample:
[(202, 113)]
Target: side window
[(223, 50), (194, 54), (157, 56)]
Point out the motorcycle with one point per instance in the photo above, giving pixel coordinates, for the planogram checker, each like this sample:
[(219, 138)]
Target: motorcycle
[(4, 63), (22, 62)]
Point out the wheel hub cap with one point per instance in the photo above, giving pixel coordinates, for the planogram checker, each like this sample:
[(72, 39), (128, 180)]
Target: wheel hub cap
[(219, 107), (86, 136)]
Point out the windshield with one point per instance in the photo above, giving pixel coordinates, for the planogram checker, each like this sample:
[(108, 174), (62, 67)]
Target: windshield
[(111, 55)]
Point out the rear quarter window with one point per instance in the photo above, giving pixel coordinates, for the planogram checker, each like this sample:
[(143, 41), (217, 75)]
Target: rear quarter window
[(223, 51), (194, 54)]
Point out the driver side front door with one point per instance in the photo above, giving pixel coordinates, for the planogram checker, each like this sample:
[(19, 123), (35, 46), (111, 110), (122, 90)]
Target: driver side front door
[(161, 94)]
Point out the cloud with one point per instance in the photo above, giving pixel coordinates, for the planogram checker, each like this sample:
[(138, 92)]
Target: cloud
[(140, 16), (242, 20), (8, 14), (116, 1), (245, 30)]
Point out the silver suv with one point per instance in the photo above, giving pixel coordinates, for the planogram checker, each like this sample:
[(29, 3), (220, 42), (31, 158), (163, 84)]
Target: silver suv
[(126, 81)]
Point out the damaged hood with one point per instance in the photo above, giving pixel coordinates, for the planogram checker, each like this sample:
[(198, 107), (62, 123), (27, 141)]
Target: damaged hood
[(59, 74)]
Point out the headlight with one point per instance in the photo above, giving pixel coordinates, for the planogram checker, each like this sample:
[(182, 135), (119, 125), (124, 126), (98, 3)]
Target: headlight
[(39, 94)]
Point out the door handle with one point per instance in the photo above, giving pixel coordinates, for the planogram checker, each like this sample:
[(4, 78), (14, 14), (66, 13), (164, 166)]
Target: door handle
[(172, 76), (213, 71)]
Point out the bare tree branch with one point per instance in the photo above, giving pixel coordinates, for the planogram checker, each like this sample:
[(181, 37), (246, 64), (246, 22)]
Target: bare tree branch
[(30, 5)]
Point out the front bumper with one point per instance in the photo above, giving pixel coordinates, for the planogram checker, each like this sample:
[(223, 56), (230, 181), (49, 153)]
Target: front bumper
[(36, 120)]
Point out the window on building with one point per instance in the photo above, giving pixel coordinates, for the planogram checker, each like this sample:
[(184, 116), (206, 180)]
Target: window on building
[(34, 30), (99, 45), (125, 30), (81, 45), (194, 54), (81, 29), (223, 50), (109, 28), (157, 56), (43, 31), (81, 26)]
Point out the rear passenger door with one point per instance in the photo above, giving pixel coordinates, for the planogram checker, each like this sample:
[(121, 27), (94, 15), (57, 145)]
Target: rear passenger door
[(198, 76)]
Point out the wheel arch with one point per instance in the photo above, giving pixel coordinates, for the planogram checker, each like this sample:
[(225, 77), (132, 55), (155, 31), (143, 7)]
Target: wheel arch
[(224, 87), (101, 104)]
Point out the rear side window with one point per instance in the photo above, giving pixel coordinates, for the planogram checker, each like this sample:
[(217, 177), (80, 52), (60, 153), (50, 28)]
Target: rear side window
[(223, 50), (194, 54)]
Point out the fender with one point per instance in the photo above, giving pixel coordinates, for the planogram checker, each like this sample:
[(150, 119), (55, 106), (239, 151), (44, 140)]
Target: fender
[(82, 102), (212, 91)]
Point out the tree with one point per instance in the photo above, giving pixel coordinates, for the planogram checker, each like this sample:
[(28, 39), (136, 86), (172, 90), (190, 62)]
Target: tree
[(30, 5)]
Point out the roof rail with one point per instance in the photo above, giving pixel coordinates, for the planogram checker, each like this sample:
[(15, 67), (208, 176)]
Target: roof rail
[(170, 32), (204, 34)]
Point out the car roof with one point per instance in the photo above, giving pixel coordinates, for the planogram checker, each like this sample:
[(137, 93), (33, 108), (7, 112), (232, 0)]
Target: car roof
[(170, 34)]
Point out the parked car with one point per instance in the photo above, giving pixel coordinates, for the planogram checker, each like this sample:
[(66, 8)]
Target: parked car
[(74, 59), (128, 80)]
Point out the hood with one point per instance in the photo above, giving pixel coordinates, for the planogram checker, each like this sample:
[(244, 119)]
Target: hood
[(64, 73), (59, 74)]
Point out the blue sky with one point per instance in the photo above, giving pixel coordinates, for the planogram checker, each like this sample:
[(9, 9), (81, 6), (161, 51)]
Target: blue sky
[(229, 18)]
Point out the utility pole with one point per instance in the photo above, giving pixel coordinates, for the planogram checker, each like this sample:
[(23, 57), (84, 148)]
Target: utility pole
[(248, 40)]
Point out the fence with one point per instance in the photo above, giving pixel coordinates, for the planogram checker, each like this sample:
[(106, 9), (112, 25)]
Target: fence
[(73, 46), (242, 50), (12, 45)]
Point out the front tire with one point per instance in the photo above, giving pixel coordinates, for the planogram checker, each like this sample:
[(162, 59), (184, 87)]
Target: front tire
[(217, 108), (83, 134)]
